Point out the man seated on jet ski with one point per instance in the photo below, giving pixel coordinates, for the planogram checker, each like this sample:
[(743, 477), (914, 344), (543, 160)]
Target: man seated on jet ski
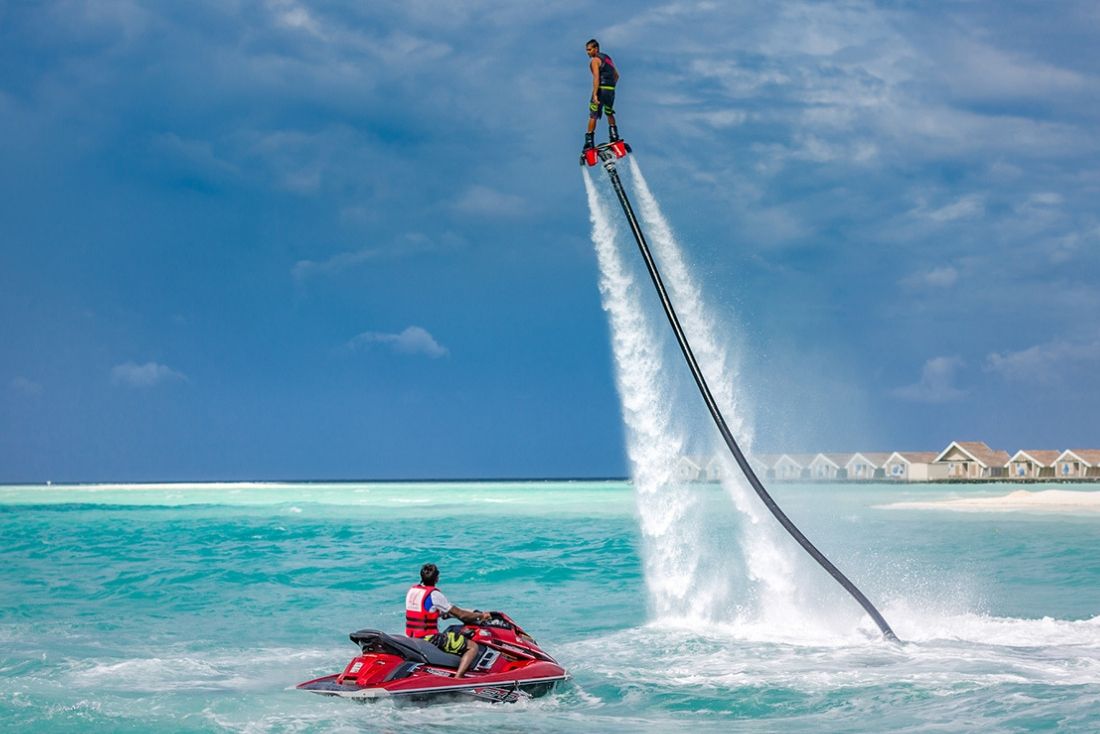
[(425, 604)]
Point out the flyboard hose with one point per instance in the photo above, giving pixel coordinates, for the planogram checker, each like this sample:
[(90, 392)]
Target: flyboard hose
[(716, 413)]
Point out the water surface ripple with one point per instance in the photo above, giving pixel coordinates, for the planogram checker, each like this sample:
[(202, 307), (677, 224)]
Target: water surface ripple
[(198, 607)]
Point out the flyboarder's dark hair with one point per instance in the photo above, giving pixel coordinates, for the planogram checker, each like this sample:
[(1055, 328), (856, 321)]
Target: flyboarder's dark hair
[(592, 42), (429, 574)]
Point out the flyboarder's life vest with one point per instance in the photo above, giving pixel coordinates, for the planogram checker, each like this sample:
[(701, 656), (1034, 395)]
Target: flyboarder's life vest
[(607, 71), (420, 621)]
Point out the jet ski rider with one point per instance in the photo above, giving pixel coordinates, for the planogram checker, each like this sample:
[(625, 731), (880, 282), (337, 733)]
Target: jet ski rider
[(604, 78), (425, 604)]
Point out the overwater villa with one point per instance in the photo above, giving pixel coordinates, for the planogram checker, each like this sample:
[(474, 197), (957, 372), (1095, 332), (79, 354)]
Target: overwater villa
[(914, 466), (1078, 464), (793, 466), (829, 466), (973, 460), (688, 469), (960, 461), (1032, 464), (867, 465)]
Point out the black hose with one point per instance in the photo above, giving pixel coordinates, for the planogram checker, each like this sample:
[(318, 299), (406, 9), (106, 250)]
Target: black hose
[(719, 421)]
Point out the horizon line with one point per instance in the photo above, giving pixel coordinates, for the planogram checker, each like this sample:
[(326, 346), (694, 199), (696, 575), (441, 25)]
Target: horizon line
[(407, 480)]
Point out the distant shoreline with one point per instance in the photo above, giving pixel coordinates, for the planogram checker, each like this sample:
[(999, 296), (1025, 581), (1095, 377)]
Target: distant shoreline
[(960, 480), (256, 483), (276, 483)]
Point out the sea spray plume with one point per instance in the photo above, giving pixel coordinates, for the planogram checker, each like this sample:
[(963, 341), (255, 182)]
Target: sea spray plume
[(715, 410), (770, 562), (714, 359), (654, 447)]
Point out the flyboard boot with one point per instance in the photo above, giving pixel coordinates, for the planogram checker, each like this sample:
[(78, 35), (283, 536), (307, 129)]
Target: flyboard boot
[(604, 152)]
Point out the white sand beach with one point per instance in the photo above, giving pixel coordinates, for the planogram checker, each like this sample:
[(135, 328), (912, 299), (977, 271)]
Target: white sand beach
[(1047, 500)]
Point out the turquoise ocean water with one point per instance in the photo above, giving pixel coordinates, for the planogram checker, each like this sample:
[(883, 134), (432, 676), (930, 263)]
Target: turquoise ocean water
[(199, 607)]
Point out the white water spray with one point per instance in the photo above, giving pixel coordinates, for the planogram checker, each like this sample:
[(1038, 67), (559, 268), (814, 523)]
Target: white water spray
[(692, 577), (654, 444), (769, 556), (719, 369)]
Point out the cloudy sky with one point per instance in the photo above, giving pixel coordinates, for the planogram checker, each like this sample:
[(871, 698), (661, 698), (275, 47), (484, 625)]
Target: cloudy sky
[(344, 240)]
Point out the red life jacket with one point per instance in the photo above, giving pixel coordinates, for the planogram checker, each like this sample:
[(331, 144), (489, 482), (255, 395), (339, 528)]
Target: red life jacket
[(420, 621)]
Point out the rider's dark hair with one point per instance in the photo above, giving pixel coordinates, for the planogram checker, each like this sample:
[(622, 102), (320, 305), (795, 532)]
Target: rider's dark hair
[(429, 574), (592, 42)]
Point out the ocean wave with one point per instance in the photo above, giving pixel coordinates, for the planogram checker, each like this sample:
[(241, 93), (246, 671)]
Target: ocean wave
[(246, 669)]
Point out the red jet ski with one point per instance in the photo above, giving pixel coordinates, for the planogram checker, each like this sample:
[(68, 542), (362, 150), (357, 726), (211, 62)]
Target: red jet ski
[(510, 666)]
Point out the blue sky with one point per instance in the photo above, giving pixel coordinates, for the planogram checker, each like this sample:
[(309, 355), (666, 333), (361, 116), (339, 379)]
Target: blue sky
[(301, 240)]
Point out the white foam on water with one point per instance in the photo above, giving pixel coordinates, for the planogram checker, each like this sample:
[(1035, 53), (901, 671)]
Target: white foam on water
[(249, 669), (966, 650)]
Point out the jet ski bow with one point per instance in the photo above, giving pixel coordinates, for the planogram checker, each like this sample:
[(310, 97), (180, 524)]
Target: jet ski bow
[(509, 667)]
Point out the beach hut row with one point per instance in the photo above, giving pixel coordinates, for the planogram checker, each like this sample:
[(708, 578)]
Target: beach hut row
[(961, 460)]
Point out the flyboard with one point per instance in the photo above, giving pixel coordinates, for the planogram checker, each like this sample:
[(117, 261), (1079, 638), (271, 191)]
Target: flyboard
[(608, 154)]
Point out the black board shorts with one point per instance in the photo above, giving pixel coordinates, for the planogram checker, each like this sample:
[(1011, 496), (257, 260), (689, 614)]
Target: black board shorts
[(606, 105)]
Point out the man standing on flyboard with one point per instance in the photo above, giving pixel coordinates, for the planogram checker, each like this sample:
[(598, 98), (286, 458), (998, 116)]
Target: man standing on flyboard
[(604, 78)]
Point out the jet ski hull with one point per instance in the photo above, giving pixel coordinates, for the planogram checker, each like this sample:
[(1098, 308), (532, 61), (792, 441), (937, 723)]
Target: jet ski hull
[(476, 687), (509, 667)]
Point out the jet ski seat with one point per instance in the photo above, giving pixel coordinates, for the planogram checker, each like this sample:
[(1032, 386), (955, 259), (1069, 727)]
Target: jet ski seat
[(408, 648)]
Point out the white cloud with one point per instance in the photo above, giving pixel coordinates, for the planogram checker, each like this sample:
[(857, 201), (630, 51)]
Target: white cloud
[(774, 226), (942, 277), (195, 157), (936, 383), (290, 14), (1069, 246), (1045, 363), (719, 119), (966, 207), (977, 70), (335, 264), (700, 124), (407, 245), (144, 375), (302, 162), (25, 386), (413, 340), (485, 201)]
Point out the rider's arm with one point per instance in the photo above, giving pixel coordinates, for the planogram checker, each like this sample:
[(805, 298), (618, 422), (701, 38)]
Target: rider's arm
[(616, 74), (595, 79), (467, 616)]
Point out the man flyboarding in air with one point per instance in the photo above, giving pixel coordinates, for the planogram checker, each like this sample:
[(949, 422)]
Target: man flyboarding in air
[(604, 78)]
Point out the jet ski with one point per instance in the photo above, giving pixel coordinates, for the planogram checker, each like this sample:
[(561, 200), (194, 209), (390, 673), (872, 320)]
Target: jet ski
[(510, 666)]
